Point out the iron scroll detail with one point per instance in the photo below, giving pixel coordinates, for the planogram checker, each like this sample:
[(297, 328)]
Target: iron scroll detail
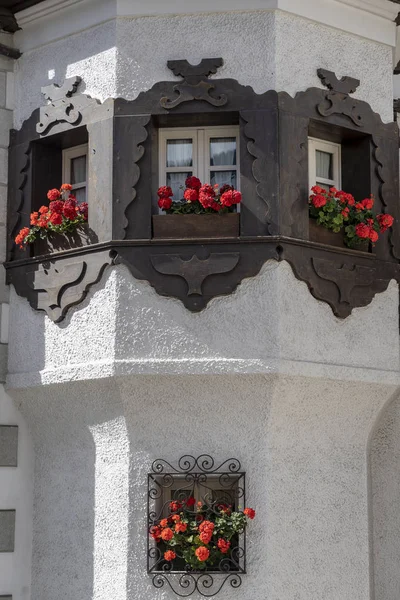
[(214, 484)]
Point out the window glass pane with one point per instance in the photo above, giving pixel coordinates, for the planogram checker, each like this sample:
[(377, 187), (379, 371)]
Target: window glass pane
[(324, 162), (222, 151), (177, 181), (324, 186), (80, 194), (223, 177), (180, 153), (78, 170)]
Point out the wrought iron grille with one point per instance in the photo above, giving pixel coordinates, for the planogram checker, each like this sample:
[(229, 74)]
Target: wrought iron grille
[(214, 487)]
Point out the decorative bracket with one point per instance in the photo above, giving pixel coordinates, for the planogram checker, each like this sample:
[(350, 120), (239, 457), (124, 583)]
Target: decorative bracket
[(60, 285), (195, 84), (339, 101), (63, 108), (194, 271), (346, 277)]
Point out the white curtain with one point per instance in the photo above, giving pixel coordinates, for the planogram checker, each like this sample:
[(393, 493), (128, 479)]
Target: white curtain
[(177, 181), (179, 153), (324, 164), (223, 177), (78, 170), (222, 151)]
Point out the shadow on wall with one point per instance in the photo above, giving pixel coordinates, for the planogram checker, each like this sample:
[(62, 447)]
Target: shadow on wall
[(384, 472), (72, 459)]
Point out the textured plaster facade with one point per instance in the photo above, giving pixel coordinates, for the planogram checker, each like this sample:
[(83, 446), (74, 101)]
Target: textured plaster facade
[(267, 374), (263, 49)]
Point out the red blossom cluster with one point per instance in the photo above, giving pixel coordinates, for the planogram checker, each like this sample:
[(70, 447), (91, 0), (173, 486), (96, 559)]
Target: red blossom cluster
[(338, 210), (198, 533), (62, 214), (198, 198)]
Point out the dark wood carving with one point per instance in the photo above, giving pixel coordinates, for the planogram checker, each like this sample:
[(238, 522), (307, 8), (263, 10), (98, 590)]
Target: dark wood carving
[(195, 84), (345, 276), (65, 105), (129, 136), (8, 21), (57, 284), (194, 271), (337, 99), (274, 131)]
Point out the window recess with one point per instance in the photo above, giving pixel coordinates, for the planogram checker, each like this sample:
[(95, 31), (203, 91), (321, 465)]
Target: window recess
[(211, 154)]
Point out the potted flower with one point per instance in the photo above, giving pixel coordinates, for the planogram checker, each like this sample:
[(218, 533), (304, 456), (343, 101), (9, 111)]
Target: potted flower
[(59, 226), (338, 220), (197, 536), (205, 211)]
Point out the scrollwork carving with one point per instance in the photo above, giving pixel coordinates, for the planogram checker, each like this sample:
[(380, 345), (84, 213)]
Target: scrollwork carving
[(195, 84)]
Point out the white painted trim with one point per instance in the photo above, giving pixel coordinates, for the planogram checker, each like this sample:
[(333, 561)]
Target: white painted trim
[(57, 19), (315, 144), (67, 156)]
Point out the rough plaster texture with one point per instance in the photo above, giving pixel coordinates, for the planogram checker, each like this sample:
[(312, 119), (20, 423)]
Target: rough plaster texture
[(269, 322), (8, 446), (302, 442), (263, 49), (385, 488)]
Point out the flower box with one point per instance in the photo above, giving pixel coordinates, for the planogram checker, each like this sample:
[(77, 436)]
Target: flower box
[(196, 226), (56, 242), (326, 236)]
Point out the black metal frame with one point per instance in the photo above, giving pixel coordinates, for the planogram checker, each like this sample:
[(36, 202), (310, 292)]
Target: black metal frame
[(191, 471)]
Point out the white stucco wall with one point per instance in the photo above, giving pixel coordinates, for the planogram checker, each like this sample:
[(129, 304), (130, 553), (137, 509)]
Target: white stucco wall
[(267, 374), (271, 323), (301, 441), (384, 455), (263, 49)]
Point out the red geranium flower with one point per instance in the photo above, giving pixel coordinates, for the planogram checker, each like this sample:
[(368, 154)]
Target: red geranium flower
[(385, 221), (202, 553), (223, 545), (167, 534), (193, 182), (56, 206), (362, 230), (249, 512), (66, 187), (53, 194), (155, 533), (21, 236), (84, 210), (69, 210), (180, 527), (34, 218), (164, 191), (191, 195), (165, 203), (373, 235), (169, 555), (318, 200), (56, 219), (205, 536), (175, 506), (191, 501), (207, 189), (43, 209)]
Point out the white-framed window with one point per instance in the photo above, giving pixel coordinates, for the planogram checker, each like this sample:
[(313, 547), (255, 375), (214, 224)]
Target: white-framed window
[(74, 168), (211, 154), (324, 162)]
